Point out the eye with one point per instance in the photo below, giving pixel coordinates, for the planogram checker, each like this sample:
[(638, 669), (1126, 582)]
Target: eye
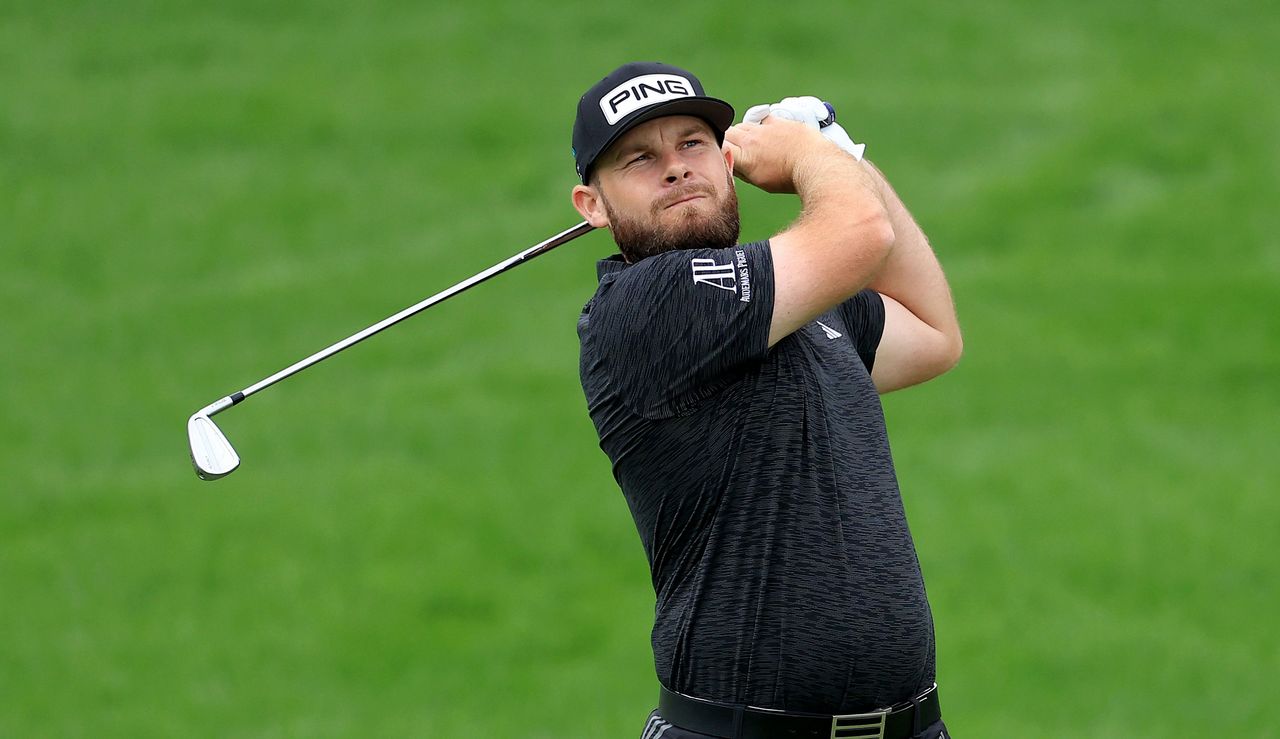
[(638, 158), (692, 143)]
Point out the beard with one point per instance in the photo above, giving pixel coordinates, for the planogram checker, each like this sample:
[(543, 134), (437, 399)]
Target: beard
[(640, 237)]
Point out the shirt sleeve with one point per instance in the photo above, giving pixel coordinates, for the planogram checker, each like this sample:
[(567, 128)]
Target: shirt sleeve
[(675, 328), (863, 315)]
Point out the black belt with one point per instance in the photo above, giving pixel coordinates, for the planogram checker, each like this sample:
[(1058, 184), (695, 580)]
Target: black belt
[(748, 722)]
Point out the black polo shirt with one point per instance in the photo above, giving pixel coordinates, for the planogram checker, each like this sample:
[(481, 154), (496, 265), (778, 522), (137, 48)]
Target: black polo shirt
[(761, 484)]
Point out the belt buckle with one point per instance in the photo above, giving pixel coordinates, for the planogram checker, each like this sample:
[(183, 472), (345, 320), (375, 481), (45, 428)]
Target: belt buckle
[(859, 725)]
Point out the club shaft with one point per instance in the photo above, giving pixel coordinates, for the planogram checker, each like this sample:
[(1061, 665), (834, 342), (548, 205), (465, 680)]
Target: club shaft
[(559, 239)]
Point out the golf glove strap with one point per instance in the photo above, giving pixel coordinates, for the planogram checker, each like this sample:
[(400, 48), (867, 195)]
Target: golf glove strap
[(810, 111)]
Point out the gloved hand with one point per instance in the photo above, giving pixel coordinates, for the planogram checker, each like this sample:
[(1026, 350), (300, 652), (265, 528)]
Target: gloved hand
[(810, 111)]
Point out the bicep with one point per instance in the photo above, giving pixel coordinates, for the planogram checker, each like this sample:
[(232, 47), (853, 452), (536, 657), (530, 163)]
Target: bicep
[(817, 266), (910, 351)]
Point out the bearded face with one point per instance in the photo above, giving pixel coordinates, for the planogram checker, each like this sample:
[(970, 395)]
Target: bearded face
[(677, 222), (665, 184)]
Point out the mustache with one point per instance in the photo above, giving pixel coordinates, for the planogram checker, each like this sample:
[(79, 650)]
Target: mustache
[(683, 193)]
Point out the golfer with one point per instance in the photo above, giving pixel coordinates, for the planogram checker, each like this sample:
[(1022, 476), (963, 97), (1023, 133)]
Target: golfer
[(735, 389)]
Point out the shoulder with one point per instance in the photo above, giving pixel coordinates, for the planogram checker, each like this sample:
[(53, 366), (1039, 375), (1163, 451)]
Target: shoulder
[(678, 284), (684, 270)]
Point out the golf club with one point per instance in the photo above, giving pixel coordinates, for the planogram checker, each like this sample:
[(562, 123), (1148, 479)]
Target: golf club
[(214, 457)]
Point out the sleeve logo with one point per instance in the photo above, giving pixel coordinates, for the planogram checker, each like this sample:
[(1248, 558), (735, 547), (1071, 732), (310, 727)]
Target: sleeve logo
[(735, 277), (707, 272)]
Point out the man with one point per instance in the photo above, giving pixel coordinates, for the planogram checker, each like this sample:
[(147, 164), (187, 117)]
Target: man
[(734, 388)]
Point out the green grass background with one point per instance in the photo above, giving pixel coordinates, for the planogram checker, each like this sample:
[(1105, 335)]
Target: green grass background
[(424, 539)]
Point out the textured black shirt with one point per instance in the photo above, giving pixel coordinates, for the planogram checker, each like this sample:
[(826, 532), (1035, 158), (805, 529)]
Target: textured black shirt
[(761, 484)]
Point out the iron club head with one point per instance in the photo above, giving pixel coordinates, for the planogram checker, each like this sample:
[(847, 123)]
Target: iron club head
[(211, 453)]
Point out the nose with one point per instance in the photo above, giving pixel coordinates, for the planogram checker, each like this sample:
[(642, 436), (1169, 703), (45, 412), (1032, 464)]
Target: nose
[(676, 169)]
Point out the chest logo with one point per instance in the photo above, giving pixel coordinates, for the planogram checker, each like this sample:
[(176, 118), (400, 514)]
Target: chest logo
[(707, 272), (830, 332)]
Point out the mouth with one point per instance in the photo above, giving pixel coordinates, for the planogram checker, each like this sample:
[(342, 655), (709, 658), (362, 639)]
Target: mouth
[(685, 199)]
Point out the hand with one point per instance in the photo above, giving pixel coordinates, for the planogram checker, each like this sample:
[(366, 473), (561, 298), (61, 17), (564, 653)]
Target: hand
[(810, 111), (768, 154)]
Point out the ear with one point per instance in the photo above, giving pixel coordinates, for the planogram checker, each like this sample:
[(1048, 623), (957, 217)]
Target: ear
[(590, 205), (728, 156)]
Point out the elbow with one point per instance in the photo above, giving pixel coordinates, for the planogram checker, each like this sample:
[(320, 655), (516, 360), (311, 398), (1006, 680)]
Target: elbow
[(944, 352), (941, 358), (879, 235), (954, 350)]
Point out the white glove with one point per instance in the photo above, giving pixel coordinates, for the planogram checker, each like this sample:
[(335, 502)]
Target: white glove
[(810, 111), (797, 113)]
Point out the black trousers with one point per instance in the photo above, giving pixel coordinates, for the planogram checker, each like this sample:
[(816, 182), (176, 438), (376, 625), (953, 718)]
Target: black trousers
[(658, 728)]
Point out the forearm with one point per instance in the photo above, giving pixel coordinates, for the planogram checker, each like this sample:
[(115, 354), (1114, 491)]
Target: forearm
[(844, 219), (843, 233), (842, 236), (911, 274), (839, 188)]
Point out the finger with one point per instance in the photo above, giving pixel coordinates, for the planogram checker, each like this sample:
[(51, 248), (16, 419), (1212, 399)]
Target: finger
[(755, 114), (808, 106), (802, 115), (802, 102), (814, 106), (777, 120), (737, 133), (786, 114)]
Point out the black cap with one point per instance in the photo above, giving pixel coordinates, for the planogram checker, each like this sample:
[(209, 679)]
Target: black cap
[(633, 94)]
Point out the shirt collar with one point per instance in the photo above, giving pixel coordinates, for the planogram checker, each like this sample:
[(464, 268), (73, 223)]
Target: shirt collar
[(610, 266)]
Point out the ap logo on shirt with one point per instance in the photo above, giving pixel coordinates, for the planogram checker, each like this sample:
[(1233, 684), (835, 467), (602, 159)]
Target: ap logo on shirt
[(707, 272), (734, 277)]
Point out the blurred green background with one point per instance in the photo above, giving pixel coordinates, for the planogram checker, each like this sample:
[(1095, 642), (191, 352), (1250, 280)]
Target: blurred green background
[(425, 540)]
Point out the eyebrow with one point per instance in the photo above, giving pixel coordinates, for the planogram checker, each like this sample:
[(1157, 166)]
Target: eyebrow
[(684, 133)]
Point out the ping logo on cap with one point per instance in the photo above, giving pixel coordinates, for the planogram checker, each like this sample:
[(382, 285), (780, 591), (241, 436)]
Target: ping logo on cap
[(643, 91)]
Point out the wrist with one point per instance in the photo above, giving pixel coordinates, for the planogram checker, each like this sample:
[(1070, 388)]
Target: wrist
[(824, 167), (836, 185)]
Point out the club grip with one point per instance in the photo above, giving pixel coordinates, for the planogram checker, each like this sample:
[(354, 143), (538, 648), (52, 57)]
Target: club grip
[(831, 115)]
